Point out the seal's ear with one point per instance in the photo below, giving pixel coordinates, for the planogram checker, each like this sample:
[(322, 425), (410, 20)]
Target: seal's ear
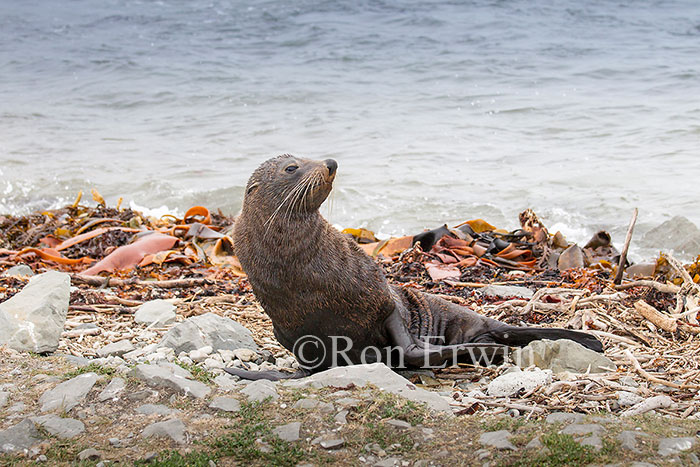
[(251, 188)]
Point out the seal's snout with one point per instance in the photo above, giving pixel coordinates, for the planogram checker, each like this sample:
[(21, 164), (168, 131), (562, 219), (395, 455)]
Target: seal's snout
[(332, 166)]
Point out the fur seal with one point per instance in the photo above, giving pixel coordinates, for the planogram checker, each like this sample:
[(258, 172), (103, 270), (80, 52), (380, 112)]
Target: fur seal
[(330, 303)]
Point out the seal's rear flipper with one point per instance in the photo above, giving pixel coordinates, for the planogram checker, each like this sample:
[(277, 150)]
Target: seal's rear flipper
[(268, 375), (520, 337)]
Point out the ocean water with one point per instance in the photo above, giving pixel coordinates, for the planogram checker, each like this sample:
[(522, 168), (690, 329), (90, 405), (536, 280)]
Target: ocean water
[(436, 111)]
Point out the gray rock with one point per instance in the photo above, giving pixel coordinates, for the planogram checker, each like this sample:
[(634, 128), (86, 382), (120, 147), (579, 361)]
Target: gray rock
[(155, 409), (173, 429), (564, 417), (305, 404), (400, 424), (678, 234), (562, 355), (672, 446), (378, 375), (4, 397), (90, 454), (137, 396), (593, 441), (507, 291), (227, 382), (388, 462), (227, 404), (288, 432), (17, 408), (113, 389), (259, 390), (68, 394), (535, 443), (33, 319), (583, 429), (628, 439), (348, 402), (21, 270), (497, 439), (65, 428), (209, 329), (172, 377), (156, 312), (118, 348), (341, 417), (19, 438), (514, 381), (335, 443), (76, 360)]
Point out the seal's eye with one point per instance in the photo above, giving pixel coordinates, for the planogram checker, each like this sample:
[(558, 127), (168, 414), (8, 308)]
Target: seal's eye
[(291, 169)]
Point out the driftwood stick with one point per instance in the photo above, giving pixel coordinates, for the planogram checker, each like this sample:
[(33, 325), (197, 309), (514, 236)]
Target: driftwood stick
[(638, 368), (657, 318), (626, 246), (99, 281), (663, 288), (647, 405)]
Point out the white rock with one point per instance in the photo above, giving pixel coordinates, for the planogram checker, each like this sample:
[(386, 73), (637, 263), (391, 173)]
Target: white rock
[(513, 382), (245, 355), (213, 363), (34, 318), (377, 374), (156, 312)]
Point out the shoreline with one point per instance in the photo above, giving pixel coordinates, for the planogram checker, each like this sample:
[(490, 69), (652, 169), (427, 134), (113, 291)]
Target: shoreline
[(579, 415)]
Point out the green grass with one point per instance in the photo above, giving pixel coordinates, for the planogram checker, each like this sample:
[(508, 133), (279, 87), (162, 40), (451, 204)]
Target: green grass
[(198, 373), (562, 450), (91, 368), (175, 459), (239, 444)]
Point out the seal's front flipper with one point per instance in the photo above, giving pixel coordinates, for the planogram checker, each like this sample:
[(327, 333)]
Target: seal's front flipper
[(269, 375), (520, 337)]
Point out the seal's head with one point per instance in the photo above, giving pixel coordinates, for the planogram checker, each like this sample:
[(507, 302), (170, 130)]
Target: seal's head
[(286, 185)]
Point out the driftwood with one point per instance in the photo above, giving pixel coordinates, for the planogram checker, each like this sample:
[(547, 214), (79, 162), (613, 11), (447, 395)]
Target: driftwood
[(623, 255), (664, 322), (99, 281)]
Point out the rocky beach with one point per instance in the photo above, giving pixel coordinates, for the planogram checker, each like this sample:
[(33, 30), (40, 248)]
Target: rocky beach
[(123, 364)]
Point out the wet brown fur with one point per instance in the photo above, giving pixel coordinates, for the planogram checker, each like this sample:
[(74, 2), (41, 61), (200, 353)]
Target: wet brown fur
[(312, 280)]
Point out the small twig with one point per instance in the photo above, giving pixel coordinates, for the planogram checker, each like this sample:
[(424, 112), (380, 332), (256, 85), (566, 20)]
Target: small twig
[(664, 322), (623, 256)]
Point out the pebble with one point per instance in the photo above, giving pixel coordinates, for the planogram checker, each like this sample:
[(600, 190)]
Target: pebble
[(4, 397), (535, 443), (155, 409), (348, 402), (64, 428), (21, 270), (213, 363), (594, 441), (672, 446), (259, 390), (583, 429), (400, 424), (564, 417), (497, 439), (173, 429), (245, 355), (91, 454), (19, 437), (341, 417), (306, 404), (118, 348), (335, 443), (227, 404), (113, 389), (68, 394), (288, 432)]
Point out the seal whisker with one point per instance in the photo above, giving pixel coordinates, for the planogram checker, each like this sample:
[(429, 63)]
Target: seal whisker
[(296, 188)]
